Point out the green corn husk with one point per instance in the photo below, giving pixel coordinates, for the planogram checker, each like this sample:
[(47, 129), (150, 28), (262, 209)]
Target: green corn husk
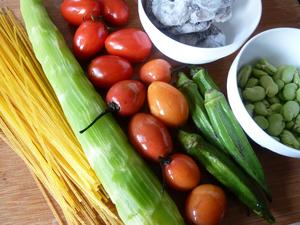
[(227, 172), (133, 188), (233, 137)]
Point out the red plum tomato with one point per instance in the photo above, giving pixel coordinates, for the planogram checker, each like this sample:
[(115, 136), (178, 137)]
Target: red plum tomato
[(150, 136), (130, 43), (78, 11), (104, 71), (115, 12), (129, 95), (89, 39)]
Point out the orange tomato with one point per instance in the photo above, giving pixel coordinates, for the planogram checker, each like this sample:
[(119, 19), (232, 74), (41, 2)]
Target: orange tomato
[(167, 103), (206, 205), (156, 70), (181, 172)]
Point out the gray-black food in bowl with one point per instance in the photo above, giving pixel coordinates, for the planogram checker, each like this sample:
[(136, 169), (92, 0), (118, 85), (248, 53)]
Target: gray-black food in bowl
[(192, 22)]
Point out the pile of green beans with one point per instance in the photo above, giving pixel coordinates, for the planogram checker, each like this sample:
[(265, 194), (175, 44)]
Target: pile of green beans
[(272, 97)]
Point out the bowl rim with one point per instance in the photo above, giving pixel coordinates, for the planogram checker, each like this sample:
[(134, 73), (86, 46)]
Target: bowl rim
[(227, 47), (280, 148)]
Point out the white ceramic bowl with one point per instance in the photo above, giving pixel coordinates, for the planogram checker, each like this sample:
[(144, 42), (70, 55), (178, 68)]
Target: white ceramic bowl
[(279, 46), (246, 17)]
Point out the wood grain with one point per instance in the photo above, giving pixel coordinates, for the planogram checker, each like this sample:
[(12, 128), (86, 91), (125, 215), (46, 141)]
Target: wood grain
[(21, 202)]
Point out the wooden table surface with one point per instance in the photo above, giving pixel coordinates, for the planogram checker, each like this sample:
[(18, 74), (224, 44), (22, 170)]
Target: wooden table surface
[(21, 202)]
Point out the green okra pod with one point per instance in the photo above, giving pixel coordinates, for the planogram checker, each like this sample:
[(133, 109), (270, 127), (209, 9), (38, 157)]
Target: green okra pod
[(232, 136), (227, 172), (203, 80), (197, 111)]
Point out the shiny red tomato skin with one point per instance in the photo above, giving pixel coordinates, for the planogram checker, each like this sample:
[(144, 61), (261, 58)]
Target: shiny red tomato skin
[(182, 172), (104, 71), (129, 95), (77, 11), (150, 136), (89, 39), (115, 12), (130, 43)]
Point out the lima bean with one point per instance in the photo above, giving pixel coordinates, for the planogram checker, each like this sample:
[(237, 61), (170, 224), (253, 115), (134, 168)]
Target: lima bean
[(252, 82), (264, 65), (297, 124), (290, 110), (274, 100), (289, 139), (262, 122), (288, 73), (261, 109), (269, 85), (259, 73), (244, 75), (254, 94), (298, 95), (276, 108), (296, 79), (289, 91), (280, 84), (276, 124)]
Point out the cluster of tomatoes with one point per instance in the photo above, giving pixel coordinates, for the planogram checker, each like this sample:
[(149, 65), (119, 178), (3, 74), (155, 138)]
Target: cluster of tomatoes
[(114, 72)]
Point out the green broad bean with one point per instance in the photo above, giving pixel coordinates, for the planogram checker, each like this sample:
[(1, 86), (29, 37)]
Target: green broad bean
[(274, 100), (254, 94), (298, 139), (264, 65), (289, 91), (252, 82), (276, 108), (296, 79), (276, 124), (262, 122), (269, 85), (278, 74), (261, 109), (288, 73), (244, 75), (298, 95), (290, 110), (267, 104), (290, 125), (250, 109), (296, 127), (280, 84), (259, 73), (289, 139)]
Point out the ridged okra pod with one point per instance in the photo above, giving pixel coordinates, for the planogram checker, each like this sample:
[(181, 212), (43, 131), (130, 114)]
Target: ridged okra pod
[(227, 172), (232, 136)]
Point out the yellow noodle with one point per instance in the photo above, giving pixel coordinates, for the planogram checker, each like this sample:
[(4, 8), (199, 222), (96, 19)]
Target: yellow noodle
[(35, 128)]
